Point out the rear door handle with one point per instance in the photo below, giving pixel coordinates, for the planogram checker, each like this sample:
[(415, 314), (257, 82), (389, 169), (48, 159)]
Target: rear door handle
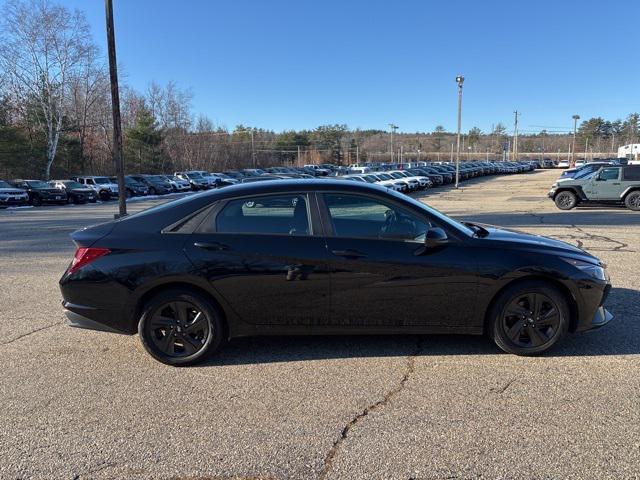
[(211, 245), (348, 253)]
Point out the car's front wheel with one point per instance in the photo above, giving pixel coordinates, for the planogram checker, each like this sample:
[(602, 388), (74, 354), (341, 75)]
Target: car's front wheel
[(566, 200), (528, 318), (179, 327), (632, 201)]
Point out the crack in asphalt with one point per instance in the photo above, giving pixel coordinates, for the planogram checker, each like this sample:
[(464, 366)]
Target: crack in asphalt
[(29, 333), (504, 388), (584, 235), (388, 396)]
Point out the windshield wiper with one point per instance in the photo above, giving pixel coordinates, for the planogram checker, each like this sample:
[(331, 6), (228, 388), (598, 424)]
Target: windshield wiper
[(480, 231)]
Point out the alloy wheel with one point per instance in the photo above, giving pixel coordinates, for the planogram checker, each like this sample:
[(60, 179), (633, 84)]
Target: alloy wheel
[(178, 329), (531, 320)]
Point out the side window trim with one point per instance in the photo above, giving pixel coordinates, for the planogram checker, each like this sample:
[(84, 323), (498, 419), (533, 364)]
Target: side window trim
[(328, 223), (313, 220)]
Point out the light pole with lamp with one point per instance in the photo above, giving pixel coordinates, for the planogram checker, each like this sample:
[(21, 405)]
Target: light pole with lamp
[(573, 149), (459, 80), (393, 127)]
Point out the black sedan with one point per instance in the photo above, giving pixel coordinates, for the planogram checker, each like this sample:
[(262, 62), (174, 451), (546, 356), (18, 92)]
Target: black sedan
[(75, 192), (40, 192), (323, 257)]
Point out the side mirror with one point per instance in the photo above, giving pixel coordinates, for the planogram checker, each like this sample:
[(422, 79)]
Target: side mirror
[(435, 237)]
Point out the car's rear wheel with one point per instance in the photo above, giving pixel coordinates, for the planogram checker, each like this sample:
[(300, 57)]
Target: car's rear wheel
[(632, 201), (104, 195), (529, 318), (36, 201), (566, 200), (152, 191), (179, 327)]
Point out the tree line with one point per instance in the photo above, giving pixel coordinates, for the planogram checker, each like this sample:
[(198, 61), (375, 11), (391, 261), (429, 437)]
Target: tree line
[(55, 117)]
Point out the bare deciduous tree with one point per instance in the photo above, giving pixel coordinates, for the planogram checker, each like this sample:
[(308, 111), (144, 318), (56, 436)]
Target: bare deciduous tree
[(41, 52)]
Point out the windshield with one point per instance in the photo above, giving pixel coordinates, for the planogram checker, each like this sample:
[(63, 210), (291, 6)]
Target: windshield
[(4, 184), (73, 185), (101, 180), (586, 174), (38, 184), (194, 175)]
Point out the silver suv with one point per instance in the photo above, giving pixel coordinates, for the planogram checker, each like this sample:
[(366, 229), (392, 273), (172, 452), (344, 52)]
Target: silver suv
[(615, 184)]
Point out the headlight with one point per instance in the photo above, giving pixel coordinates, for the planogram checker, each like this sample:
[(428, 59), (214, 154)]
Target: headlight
[(596, 271)]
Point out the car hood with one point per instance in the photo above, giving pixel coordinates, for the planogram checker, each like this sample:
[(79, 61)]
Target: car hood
[(535, 242)]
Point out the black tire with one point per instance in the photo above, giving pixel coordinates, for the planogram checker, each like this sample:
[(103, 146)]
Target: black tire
[(565, 200), (104, 195), (156, 330), (36, 201), (632, 201), (518, 325), (128, 193), (152, 191), (71, 199)]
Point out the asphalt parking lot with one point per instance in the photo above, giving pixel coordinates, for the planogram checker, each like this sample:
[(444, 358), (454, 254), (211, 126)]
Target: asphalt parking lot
[(82, 404)]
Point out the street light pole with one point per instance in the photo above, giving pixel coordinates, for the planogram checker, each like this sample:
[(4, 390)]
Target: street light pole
[(459, 80), (393, 127), (115, 110), (573, 149)]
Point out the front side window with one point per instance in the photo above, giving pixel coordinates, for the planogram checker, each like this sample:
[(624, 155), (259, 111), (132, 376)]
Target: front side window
[(363, 217), (270, 214), (609, 174)]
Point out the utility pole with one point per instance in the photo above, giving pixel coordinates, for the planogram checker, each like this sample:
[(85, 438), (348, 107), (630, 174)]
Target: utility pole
[(299, 160), (573, 150), (253, 151), (459, 81), (515, 137), (393, 128), (357, 155), (613, 141), (115, 110), (586, 148)]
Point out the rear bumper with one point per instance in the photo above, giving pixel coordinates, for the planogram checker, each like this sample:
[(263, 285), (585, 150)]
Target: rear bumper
[(79, 321), (82, 316)]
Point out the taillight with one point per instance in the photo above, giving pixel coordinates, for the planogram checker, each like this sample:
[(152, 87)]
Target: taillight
[(84, 256)]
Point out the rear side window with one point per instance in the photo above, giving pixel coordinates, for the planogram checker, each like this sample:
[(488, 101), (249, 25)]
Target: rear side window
[(269, 214), (631, 173)]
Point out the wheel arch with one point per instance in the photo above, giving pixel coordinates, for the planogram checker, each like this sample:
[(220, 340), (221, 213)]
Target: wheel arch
[(182, 285), (634, 188), (566, 293), (577, 191)]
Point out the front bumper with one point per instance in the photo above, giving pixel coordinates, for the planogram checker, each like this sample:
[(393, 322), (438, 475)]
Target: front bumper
[(14, 200), (601, 318)]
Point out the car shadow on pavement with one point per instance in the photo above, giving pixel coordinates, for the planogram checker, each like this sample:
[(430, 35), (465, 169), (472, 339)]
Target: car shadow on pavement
[(620, 337)]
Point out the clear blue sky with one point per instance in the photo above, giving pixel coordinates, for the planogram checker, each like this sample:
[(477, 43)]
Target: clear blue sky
[(299, 64)]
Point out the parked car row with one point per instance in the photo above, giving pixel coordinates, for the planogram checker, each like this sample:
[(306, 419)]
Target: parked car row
[(402, 177)]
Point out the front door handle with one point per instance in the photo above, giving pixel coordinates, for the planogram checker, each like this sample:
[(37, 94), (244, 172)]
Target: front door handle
[(348, 253), (616, 183), (211, 245)]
